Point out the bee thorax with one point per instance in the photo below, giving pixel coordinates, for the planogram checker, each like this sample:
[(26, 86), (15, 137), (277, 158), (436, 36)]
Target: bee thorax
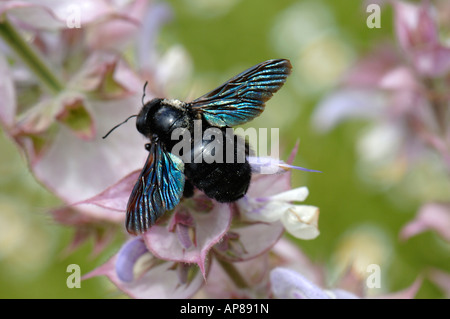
[(175, 103)]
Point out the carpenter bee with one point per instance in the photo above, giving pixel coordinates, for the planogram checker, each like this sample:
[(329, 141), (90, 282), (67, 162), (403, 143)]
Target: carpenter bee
[(167, 176)]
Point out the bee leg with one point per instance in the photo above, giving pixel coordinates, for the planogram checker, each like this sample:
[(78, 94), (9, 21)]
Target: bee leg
[(188, 189)]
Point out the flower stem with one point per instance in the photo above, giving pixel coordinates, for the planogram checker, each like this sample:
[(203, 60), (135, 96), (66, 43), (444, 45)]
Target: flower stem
[(35, 62), (233, 273)]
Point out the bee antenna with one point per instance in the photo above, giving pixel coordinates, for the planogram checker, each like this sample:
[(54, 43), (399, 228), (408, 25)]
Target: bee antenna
[(118, 126), (143, 94)]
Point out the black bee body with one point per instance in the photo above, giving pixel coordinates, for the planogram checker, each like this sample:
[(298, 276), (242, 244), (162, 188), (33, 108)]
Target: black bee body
[(223, 179), (218, 166)]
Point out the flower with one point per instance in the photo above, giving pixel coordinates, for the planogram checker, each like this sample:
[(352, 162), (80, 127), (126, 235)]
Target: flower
[(294, 276), (151, 277), (431, 216), (99, 84), (441, 279), (262, 203), (57, 108), (289, 284), (201, 234), (418, 36), (301, 221), (400, 91)]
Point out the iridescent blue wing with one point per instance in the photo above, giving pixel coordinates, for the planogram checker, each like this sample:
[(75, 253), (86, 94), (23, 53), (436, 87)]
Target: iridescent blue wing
[(158, 189), (242, 98)]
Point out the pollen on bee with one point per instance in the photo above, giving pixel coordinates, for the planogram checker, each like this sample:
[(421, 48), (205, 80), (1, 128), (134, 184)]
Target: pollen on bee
[(175, 103)]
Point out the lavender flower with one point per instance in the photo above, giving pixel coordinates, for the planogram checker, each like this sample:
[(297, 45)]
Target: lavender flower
[(81, 84), (203, 234), (289, 284), (431, 216), (86, 86), (139, 274), (441, 279), (402, 92), (295, 276)]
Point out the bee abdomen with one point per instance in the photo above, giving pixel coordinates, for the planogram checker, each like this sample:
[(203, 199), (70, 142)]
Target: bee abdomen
[(224, 182)]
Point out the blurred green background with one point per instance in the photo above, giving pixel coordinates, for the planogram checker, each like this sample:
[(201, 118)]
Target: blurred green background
[(322, 39)]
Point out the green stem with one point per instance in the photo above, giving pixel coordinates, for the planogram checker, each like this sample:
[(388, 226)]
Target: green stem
[(233, 273), (29, 56)]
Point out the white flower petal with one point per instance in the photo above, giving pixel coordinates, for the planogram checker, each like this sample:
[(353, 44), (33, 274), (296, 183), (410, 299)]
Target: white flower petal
[(297, 194), (262, 210), (301, 221)]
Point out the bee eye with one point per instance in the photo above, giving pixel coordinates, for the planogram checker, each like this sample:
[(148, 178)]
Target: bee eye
[(144, 118), (141, 123)]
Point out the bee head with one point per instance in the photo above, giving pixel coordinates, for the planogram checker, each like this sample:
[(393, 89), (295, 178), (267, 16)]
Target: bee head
[(144, 118)]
